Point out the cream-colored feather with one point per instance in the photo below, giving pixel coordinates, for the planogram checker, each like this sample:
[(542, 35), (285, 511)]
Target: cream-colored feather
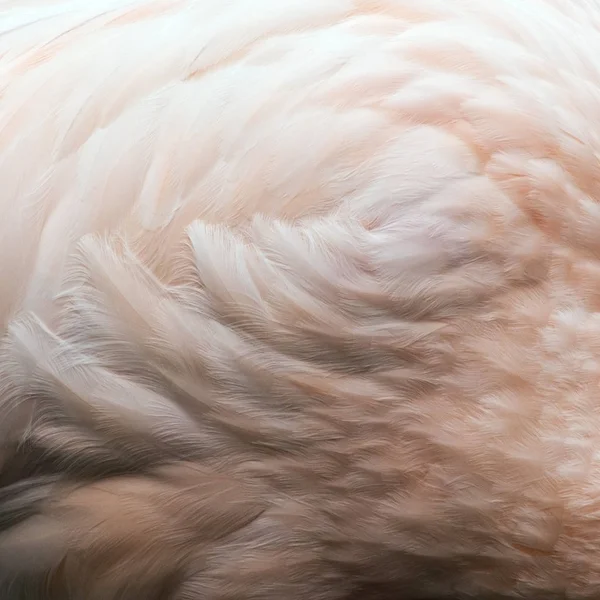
[(300, 299)]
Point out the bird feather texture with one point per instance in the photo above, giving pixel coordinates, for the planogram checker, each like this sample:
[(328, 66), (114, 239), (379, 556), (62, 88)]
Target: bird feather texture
[(300, 299)]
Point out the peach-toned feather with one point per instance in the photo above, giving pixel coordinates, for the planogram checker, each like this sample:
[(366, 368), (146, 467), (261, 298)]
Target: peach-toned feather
[(300, 299)]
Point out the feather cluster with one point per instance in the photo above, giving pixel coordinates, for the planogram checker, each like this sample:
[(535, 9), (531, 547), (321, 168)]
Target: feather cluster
[(300, 299)]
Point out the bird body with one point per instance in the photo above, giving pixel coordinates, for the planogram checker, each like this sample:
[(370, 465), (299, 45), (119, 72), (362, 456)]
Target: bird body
[(300, 299)]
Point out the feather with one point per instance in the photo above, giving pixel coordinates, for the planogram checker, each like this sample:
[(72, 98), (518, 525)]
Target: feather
[(299, 299)]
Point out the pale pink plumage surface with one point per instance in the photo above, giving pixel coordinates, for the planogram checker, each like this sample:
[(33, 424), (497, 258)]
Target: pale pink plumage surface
[(300, 299)]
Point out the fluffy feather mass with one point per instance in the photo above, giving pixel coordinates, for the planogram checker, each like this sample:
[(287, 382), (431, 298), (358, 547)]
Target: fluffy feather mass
[(300, 299)]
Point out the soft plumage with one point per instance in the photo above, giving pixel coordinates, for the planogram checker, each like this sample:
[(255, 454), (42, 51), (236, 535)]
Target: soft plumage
[(300, 299)]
